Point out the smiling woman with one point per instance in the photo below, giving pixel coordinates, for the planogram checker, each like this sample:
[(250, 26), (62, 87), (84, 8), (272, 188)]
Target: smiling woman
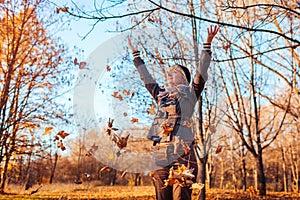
[(171, 129)]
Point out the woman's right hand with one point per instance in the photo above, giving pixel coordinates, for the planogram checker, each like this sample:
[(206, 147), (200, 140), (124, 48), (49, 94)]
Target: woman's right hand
[(132, 48)]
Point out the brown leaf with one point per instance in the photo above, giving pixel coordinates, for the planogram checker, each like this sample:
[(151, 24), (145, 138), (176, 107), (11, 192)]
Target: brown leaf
[(117, 95), (226, 47), (219, 149), (134, 120), (76, 61), (126, 92), (60, 145), (124, 174), (105, 169), (108, 68), (82, 65), (151, 110), (125, 114), (132, 94), (62, 134)]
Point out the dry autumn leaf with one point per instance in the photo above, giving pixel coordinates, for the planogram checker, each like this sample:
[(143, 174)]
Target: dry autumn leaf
[(121, 142), (48, 130), (151, 110), (105, 169), (219, 149), (62, 134), (110, 127), (108, 68), (126, 92), (82, 65), (134, 120), (61, 145), (132, 94), (117, 95)]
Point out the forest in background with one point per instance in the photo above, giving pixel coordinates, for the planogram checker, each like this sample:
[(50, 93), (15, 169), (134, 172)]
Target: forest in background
[(247, 121)]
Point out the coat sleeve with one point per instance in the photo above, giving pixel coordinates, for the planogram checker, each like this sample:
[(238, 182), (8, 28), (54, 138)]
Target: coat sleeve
[(149, 82), (201, 71)]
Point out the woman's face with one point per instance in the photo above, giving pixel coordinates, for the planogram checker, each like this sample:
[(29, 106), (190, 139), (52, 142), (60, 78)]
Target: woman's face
[(175, 76)]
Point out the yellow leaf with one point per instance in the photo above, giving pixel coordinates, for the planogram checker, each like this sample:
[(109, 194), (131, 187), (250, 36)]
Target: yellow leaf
[(111, 156), (47, 130)]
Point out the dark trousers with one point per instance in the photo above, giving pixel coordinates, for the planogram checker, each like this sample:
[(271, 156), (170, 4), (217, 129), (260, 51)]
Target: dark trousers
[(175, 192)]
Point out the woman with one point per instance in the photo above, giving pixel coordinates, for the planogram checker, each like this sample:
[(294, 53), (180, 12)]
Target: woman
[(172, 125)]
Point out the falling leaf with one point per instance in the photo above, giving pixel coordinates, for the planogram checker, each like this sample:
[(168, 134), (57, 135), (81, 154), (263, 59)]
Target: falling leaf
[(126, 92), (91, 151), (219, 149), (121, 142), (111, 156), (110, 127), (150, 19), (64, 9), (134, 120), (105, 169), (132, 94), (117, 95), (55, 138), (151, 110), (76, 61), (82, 65), (48, 130), (226, 47), (187, 124), (124, 174), (62, 134), (94, 147), (60, 145), (108, 68)]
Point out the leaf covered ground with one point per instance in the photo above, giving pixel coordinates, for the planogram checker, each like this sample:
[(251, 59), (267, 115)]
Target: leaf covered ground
[(94, 192)]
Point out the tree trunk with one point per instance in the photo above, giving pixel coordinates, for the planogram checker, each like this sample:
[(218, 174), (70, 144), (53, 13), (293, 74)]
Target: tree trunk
[(261, 180), (244, 175), (284, 170), (53, 168), (202, 176), (222, 175), (208, 172), (4, 175), (137, 179)]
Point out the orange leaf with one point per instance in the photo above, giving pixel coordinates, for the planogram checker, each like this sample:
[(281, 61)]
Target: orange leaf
[(134, 120), (65, 9), (126, 92), (60, 145), (117, 95), (108, 68), (62, 134), (151, 110), (47, 130)]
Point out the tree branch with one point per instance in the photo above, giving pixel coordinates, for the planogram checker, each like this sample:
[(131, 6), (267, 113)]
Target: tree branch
[(224, 23)]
